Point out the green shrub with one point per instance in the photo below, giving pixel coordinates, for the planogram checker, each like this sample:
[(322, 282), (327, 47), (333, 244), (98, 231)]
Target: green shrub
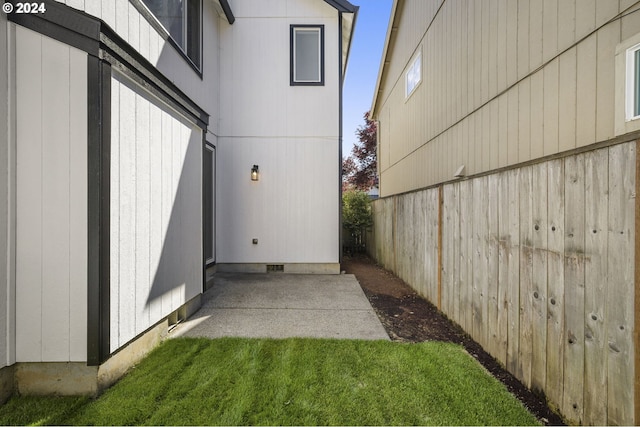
[(356, 219), (356, 210)]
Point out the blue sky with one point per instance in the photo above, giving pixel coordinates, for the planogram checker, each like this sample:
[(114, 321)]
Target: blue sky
[(362, 70)]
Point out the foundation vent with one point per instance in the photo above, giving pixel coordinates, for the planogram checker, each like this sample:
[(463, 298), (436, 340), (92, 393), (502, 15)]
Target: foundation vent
[(274, 268)]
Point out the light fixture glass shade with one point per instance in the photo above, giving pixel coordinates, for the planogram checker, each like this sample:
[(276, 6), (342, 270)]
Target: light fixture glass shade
[(254, 173)]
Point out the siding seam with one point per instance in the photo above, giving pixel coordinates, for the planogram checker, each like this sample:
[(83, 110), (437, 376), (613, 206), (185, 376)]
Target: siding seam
[(593, 147)]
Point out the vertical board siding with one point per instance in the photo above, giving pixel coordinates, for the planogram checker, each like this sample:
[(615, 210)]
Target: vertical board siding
[(156, 247), (51, 222), (539, 74), (537, 266)]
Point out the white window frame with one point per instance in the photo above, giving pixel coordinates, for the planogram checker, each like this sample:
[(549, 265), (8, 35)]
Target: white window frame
[(631, 73), (416, 62), (307, 28)]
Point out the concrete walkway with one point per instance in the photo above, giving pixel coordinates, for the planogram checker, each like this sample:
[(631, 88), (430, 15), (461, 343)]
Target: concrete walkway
[(282, 306)]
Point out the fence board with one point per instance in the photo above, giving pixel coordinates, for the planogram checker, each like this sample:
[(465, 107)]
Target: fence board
[(538, 295), (523, 369), (466, 255), (555, 284), (504, 242), (620, 316), (447, 249), (491, 255), (456, 251), (573, 343), (513, 271), (595, 248), (480, 262), (432, 263)]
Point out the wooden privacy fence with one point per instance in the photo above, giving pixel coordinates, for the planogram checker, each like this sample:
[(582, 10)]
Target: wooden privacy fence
[(537, 265)]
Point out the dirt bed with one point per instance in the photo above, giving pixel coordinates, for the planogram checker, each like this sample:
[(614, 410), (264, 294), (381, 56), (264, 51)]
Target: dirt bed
[(407, 317)]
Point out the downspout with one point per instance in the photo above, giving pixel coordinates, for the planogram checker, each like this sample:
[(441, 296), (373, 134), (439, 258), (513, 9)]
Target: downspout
[(341, 86)]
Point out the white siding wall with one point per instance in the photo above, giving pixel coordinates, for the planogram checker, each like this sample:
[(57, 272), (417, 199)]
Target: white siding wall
[(291, 132), (283, 209), (51, 247), (123, 17), (7, 286), (156, 218)]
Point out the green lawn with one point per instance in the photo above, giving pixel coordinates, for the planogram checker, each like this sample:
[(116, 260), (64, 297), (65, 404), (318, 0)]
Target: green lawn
[(234, 381)]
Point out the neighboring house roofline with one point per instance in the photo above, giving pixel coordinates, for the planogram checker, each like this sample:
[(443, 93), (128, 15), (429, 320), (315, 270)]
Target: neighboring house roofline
[(391, 28)]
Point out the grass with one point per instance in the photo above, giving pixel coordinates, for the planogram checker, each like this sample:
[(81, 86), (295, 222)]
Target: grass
[(234, 381)]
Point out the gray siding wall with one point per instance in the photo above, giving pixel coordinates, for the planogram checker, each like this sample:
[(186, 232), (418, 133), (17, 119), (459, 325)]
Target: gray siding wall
[(503, 82), (51, 207), (537, 265), (156, 211), (124, 18)]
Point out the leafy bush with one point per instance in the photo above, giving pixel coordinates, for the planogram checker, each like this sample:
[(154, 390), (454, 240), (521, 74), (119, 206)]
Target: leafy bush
[(356, 210), (356, 219)]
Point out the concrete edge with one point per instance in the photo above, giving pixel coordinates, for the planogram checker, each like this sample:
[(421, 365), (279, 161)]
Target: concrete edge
[(287, 268)]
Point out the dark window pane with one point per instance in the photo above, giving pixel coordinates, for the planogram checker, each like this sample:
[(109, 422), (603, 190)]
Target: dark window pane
[(170, 14), (193, 31)]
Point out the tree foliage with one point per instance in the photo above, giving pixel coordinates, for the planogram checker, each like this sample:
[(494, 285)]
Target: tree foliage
[(356, 211), (359, 169)]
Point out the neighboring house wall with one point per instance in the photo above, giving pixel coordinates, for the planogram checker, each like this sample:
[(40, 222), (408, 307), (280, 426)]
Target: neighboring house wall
[(291, 132), (503, 82), (534, 254), (156, 189), (51, 230)]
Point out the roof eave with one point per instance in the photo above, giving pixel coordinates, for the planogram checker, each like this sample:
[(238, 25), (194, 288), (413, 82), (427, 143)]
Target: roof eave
[(342, 6), (347, 38), (228, 13)]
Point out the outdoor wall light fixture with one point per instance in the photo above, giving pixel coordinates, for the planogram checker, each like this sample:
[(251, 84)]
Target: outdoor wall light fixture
[(254, 173)]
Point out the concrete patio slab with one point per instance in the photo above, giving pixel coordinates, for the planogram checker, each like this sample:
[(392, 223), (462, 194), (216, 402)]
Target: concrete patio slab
[(282, 306)]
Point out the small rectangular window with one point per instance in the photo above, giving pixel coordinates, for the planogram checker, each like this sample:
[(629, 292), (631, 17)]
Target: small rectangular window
[(307, 55), (633, 83), (414, 75), (182, 21)]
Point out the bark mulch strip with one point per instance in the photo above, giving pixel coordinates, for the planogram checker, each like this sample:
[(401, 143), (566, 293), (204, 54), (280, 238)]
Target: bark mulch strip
[(408, 317)]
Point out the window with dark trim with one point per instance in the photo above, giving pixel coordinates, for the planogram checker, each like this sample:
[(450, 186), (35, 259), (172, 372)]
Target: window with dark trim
[(182, 20), (307, 55), (208, 200)]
